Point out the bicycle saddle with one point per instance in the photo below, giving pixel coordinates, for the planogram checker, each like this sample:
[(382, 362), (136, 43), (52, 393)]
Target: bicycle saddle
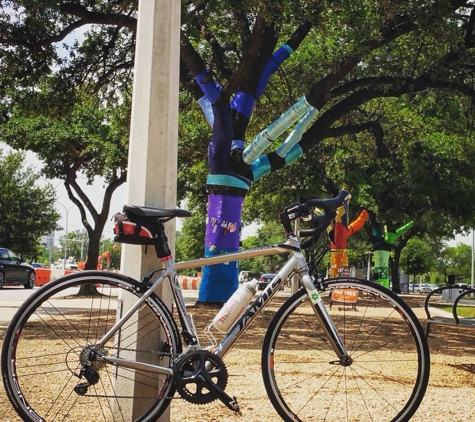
[(141, 211)]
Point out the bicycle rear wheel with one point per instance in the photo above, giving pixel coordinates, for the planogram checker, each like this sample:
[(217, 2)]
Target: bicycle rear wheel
[(46, 345), (390, 370)]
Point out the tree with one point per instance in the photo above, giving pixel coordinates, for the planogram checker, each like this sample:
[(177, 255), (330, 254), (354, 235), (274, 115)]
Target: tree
[(342, 92), (417, 257), (455, 260), (26, 210), (355, 62), (189, 240), (76, 243), (86, 139), (270, 233)]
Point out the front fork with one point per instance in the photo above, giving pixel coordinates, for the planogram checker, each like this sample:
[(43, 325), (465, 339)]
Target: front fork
[(325, 320)]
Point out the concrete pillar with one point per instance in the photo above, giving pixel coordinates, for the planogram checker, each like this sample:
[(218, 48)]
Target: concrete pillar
[(153, 146)]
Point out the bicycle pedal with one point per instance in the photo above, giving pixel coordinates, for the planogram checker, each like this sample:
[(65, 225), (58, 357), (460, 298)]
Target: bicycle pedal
[(231, 404), (235, 406)]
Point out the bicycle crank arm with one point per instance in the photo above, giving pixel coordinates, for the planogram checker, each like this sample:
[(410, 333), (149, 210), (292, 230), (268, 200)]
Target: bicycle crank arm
[(231, 403)]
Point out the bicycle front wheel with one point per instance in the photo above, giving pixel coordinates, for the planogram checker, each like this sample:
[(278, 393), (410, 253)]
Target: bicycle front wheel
[(49, 353), (389, 369)]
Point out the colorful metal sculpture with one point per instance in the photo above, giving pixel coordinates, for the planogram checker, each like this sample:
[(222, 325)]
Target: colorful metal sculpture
[(382, 241), (339, 235), (233, 168)]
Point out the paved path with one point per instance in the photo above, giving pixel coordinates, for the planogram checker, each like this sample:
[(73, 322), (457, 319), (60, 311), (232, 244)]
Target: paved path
[(12, 297)]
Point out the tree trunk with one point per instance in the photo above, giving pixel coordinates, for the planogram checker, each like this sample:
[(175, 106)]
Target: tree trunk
[(394, 266), (91, 261), (223, 225)]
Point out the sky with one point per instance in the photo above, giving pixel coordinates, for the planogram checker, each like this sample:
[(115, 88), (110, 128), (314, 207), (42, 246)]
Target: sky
[(466, 239)]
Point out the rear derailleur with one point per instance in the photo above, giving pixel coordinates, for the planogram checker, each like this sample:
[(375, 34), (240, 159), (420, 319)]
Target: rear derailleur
[(90, 368)]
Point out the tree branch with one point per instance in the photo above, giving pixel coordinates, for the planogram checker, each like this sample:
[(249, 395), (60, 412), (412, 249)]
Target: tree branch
[(321, 128), (319, 94), (47, 41), (219, 56), (247, 75), (470, 31), (299, 34), (244, 26), (85, 18), (99, 18), (192, 60), (373, 127)]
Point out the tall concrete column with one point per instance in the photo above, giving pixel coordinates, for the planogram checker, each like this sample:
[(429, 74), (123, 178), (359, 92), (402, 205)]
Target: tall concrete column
[(152, 171)]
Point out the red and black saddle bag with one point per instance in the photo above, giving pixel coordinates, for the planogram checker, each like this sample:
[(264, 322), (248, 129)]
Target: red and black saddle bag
[(129, 228), (141, 230)]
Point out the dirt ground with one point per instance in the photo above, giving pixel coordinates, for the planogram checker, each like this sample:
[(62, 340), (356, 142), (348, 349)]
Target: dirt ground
[(450, 396)]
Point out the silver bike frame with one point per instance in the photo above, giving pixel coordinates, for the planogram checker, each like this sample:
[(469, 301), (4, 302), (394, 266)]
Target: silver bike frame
[(295, 265)]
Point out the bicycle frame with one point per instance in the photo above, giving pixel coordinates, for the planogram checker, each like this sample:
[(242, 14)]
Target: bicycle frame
[(295, 265)]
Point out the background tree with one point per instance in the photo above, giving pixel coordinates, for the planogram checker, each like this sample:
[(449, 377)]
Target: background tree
[(76, 243), (455, 260), (417, 258), (380, 74), (26, 210), (270, 233), (85, 139), (189, 240), (425, 172)]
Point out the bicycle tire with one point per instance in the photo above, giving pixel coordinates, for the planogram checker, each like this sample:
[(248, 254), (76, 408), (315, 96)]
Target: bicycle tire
[(44, 349), (391, 363)]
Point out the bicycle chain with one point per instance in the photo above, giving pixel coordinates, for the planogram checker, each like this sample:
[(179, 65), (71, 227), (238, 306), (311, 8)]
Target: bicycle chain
[(161, 354)]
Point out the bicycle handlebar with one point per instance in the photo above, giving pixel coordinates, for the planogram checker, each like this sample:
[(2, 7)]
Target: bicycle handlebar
[(330, 204), (321, 222)]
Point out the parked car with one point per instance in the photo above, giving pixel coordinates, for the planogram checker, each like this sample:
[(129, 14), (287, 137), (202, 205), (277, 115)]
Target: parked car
[(420, 288), (71, 266), (13, 270), (264, 280), (433, 287)]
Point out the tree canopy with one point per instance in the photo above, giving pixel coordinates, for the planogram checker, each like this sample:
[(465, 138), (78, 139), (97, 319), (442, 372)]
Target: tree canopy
[(81, 139), (417, 258), (26, 210), (455, 260), (392, 82)]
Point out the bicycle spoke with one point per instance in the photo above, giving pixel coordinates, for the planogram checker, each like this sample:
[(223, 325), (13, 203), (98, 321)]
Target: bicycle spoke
[(305, 379), (61, 328)]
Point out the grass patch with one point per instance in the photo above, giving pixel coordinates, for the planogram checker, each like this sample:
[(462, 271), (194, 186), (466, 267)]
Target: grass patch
[(462, 311)]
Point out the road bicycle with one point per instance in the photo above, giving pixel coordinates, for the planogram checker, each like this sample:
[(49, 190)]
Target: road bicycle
[(115, 353)]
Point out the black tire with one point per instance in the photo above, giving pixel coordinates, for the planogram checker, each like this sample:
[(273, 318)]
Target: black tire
[(44, 348), (2, 279), (390, 371), (31, 281)]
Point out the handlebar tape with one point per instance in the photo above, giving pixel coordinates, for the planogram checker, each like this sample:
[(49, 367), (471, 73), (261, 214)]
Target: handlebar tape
[(321, 222), (330, 204)]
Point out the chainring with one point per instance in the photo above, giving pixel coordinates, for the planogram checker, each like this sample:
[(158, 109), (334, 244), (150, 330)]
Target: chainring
[(195, 371)]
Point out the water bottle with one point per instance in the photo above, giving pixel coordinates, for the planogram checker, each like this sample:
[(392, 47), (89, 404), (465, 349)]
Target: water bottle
[(235, 306)]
